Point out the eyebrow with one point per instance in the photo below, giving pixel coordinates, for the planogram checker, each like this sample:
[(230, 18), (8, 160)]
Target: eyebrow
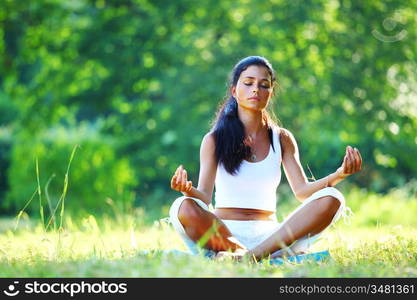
[(255, 78)]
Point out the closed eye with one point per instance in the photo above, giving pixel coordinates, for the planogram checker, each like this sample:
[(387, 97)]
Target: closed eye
[(262, 86)]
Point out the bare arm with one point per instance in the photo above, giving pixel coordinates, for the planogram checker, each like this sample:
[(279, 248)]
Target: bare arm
[(297, 179), (208, 168)]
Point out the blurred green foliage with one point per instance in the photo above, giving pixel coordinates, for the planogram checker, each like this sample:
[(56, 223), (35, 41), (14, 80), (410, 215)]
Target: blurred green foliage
[(96, 175), (136, 83)]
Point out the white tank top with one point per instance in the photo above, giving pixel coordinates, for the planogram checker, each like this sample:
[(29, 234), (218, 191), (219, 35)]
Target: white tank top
[(255, 184)]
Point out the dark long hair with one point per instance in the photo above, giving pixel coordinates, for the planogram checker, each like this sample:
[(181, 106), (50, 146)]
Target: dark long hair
[(228, 129)]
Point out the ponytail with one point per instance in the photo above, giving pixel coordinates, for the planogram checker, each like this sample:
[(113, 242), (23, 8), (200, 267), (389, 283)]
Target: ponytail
[(229, 134)]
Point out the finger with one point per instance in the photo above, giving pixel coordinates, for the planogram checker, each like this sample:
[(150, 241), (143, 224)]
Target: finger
[(351, 161), (179, 174), (348, 163), (346, 160), (360, 159), (189, 186), (174, 182), (185, 180), (357, 161), (354, 161), (179, 180), (344, 163), (176, 174)]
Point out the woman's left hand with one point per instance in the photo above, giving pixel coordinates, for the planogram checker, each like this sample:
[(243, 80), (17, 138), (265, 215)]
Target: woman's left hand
[(352, 163)]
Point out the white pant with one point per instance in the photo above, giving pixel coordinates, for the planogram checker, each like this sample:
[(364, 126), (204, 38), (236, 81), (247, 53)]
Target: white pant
[(253, 232)]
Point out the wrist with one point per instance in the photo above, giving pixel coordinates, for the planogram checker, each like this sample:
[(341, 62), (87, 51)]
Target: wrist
[(335, 178), (340, 174), (187, 194)]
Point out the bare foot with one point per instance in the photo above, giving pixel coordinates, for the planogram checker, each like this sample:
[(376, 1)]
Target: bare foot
[(236, 255)]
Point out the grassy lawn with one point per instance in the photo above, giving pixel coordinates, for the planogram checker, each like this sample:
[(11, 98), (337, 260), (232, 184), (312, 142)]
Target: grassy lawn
[(121, 248), (379, 241)]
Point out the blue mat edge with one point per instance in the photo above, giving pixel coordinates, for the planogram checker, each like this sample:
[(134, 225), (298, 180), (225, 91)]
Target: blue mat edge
[(314, 257)]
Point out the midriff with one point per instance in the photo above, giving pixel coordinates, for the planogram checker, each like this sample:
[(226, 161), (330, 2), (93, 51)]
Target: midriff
[(234, 213)]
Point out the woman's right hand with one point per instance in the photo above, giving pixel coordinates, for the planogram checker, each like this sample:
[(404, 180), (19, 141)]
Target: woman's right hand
[(179, 181)]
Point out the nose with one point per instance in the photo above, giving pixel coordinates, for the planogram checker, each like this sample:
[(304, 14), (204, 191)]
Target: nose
[(255, 89)]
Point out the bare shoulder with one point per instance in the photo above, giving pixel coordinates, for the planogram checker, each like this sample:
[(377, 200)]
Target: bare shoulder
[(287, 140), (208, 154), (208, 139), (208, 144), (285, 134)]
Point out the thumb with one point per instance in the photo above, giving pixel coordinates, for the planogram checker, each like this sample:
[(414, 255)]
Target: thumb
[(189, 185)]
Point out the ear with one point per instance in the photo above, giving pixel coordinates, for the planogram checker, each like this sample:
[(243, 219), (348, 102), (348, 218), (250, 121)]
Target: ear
[(275, 86), (233, 91)]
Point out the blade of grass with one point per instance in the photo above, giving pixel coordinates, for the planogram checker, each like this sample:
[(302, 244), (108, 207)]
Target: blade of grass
[(312, 176), (19, 215), (40, 194), (66, 185), (48, 199), (64, 192), (207, 235)]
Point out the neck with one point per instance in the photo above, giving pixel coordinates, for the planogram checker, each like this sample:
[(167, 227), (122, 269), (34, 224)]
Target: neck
[(252, 121)]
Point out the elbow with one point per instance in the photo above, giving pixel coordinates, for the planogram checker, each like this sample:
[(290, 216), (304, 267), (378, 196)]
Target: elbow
[(207, 201), (300, 196), (206, 198)]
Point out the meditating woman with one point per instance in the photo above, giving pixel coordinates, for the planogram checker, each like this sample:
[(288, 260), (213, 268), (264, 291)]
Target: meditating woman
[(241, 157)]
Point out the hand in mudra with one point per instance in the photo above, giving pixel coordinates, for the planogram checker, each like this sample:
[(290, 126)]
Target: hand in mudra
[(179, 181), (352, 162)]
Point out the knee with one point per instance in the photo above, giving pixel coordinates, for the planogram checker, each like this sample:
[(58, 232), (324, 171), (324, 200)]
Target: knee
[(328, 205), (188, 211)]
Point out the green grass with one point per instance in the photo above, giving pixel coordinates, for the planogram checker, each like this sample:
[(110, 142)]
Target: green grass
[(121, 248), (379, 241)]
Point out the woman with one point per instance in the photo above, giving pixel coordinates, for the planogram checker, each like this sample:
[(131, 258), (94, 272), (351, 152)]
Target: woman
[(242, 156)]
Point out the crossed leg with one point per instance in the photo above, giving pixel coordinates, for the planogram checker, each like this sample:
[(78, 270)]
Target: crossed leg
[(311, 219), (200, 224)]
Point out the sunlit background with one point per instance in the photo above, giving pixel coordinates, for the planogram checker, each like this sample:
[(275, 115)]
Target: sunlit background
[(130, 87)]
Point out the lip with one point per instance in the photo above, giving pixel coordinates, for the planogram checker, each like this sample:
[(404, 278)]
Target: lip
[(254, 98)]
